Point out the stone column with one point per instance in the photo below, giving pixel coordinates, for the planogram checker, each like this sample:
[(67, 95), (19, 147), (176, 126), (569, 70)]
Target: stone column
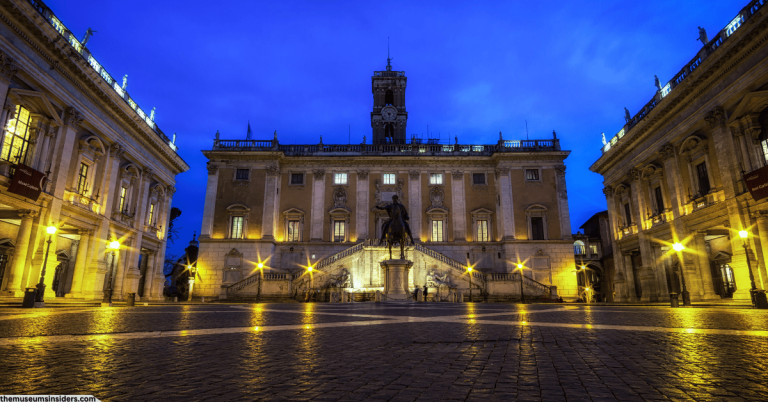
[(706, 287), (660, 271), (414, 204), (629, 276), (80, 264), (8, 69), (459, 207), (674, 181), (270, 203), (562, 203), (318, 206), (505, 209), (14, 285), (725, 151), (762, 227), (210, 200), (361, 209), (619, 277), (65, 143)]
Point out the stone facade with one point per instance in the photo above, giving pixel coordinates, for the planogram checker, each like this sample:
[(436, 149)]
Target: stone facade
[(111, 171), (295, 206), (674, 174)]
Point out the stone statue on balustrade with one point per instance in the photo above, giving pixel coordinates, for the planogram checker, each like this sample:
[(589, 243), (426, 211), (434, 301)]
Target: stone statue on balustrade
[(627, 116), (703, 36), (396, 229), (657, 82)]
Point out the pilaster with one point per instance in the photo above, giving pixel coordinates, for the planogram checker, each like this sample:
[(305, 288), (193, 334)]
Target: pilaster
[(707, 287), (414, 201), (562, 203), (318, 205), (505, 209), (210, 200), (15, 285), (459, 212), (361, 209), (270, 203)]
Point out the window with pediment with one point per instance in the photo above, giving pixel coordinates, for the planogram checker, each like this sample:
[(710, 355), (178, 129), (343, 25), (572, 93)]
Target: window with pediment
[(536, 215), (237, 221), (126, 190)]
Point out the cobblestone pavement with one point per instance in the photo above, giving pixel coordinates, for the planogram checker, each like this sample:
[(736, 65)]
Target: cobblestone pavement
[(386, 351)]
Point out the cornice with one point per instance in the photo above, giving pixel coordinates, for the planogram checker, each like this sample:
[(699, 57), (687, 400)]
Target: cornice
[(690, 92), (53, 48)]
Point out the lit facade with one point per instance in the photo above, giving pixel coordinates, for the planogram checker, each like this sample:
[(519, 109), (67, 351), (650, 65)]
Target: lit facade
[(674, 174), (295, 206), (111, 171)]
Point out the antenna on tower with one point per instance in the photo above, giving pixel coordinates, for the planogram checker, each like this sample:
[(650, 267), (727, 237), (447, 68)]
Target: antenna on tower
[(526, 129), (389, 66)]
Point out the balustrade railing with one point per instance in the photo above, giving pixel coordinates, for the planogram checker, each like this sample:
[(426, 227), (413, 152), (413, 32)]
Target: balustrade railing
[(515, 277), (707, 50), (415, 148)]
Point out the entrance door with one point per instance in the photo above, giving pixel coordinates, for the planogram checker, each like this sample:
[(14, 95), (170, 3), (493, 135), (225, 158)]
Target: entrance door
[(729, 284)]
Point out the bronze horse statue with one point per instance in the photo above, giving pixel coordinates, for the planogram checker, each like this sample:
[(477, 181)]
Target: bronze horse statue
[(396, 229)]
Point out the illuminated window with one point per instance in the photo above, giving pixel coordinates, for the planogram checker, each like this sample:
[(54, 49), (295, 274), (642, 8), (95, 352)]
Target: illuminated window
[(16, 142), (532, 174), (293, 231), (436, 178), (151, 213), (242, 174), (340, 178), (437, 230), (123, 192), (339, 231), (236, 230), (482, 230), (389, 178), (82, 181), (593, 249), (579, 248)]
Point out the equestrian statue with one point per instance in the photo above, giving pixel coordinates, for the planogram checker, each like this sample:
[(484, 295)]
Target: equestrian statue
[(396, 229)]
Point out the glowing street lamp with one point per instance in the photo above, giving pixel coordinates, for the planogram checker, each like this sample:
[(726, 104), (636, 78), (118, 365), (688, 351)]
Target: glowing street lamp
[(469, 272), (758, 296), (39, 297), (107, 300), (686, 296), (522, 292)]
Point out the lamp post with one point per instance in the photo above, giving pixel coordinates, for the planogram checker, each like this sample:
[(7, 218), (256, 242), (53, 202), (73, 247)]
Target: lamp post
[(311, 283), (586, 284), (260, 266), (192, 274), (40, 295), (522, 292), (107, 300), (469, 272), (686, 296), (758, 296)]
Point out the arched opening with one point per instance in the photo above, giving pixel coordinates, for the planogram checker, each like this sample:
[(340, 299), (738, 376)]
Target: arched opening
[(389, 133), (579, 248), (389, 98)]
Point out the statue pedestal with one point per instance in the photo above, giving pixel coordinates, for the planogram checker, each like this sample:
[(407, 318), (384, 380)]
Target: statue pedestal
[(396, 279)]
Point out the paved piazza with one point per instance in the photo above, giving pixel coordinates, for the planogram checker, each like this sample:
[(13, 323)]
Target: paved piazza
[(386, 351)]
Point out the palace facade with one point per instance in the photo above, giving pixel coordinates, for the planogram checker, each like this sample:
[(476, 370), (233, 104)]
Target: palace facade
[(110, 169), (675, 174), (288, 207)]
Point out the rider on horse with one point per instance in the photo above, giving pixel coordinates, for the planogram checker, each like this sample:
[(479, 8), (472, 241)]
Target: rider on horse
[(395, 210)]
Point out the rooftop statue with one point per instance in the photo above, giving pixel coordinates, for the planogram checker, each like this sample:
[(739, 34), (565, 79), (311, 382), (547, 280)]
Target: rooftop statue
[(125, 81), (657, 82), (703, 36), (627, 116), (88, 34), (604, 142), (396, 229)]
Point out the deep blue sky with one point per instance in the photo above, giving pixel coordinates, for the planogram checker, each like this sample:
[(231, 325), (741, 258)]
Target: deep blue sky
[(474, 69)]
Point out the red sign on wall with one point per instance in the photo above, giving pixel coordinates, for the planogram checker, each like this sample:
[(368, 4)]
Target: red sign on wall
[(757, 183), (27, 182)]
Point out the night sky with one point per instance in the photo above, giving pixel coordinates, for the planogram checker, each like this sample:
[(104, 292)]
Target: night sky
[(304, 69)]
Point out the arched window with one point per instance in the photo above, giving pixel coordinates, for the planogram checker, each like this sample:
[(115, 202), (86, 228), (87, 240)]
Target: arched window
[(579, 248), (389, 98), (16, 142)]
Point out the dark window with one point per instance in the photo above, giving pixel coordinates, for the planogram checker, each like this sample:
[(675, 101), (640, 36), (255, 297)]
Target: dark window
[(297, 178), (241, 174), (478, 178), (3, 263), (389, 98), (537, 228), (701, 172), (531, 174), (659, 199), (627, 215), (82, 181)]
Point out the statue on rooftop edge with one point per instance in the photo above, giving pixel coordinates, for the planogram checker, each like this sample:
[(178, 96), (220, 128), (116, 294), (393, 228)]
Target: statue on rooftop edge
[(364, 139), (152, 114), (125, 82), (703, 36), (88, 33), (657, 82), (627, 116), (396, 229), (604, 142)]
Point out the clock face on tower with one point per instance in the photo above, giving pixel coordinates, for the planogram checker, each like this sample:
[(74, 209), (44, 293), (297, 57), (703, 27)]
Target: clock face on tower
[(389, 113)]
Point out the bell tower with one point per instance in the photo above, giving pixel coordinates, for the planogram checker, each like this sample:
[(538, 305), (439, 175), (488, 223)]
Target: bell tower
[(388, 118)]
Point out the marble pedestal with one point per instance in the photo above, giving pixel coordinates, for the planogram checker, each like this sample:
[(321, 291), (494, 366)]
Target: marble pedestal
[(396, 279)]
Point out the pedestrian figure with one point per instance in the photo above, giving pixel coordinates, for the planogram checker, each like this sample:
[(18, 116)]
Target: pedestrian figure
[(425, 292)]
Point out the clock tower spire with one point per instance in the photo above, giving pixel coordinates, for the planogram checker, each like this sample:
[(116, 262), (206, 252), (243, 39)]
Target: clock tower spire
[(388, 118)]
